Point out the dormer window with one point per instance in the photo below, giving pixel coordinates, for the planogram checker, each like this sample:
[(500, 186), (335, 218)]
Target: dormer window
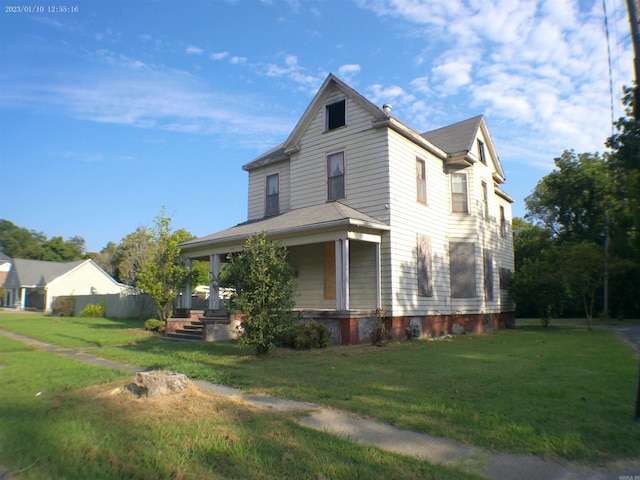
[(481, 153), (336, 115), (272, 204)]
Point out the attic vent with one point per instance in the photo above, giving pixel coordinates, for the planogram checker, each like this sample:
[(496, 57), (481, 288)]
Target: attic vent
[(386, 108)]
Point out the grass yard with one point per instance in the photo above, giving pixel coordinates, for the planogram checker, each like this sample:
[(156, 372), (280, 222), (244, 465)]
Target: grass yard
[(60, 418), (563, 392)]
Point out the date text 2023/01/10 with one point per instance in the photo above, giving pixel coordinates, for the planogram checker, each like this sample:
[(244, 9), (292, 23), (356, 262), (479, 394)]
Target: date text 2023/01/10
[(41, 9)]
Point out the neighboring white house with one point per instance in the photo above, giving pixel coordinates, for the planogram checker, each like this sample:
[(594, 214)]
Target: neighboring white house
[(35, 284), (380, 219)]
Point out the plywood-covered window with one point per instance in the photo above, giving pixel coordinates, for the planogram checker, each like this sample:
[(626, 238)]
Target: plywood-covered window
[(505, 276), (335, 176), (425, 267), (421, 181), (459, 193), (488, 275), (272, 201), (336, 115), (462, 269)]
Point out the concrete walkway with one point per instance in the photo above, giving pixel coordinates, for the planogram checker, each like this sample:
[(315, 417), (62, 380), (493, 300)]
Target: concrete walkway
[(370, 432)]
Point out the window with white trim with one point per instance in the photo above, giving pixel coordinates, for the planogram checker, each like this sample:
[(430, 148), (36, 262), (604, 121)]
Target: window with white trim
[(336, 115), (335, 176), (272, 202), (421, 181), (459, 193), (481, 152)]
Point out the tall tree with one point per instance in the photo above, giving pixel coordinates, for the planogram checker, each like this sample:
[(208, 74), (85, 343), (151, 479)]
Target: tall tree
[(18, 242), (162, 275), (132, 253), (572, 200)]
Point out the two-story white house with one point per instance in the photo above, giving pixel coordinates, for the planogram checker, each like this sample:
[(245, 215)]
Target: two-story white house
[(378, 217)]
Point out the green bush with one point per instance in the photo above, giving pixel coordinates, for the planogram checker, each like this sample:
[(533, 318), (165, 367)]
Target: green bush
[(63, 306), (154, 325), (305, 336), (94, 310)]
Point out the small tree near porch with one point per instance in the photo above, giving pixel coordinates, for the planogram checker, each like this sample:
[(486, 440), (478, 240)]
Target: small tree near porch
[(264, 289), (163, 276)]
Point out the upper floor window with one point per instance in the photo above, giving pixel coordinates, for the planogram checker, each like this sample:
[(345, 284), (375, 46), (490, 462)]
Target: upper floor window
[(459, 193), (481, 152), (272, 204), (336, 115), (421, 181), (335, 176), (503, 223)]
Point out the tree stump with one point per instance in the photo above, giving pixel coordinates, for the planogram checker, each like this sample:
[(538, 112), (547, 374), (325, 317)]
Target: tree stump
[(158, 383)]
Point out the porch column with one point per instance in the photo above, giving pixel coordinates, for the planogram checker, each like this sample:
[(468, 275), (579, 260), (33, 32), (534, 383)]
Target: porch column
[(342, 274), (214, 284), (186, 295), (23, 298), (378, 279)]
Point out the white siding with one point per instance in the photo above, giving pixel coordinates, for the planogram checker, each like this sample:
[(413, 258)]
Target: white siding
[(365, 154)]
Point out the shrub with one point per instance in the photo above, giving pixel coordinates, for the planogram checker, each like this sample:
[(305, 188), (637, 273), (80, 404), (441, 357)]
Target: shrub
[(264, 288), (153, 325), (380, 332), (305, 336), (63, 306), (94, 310)]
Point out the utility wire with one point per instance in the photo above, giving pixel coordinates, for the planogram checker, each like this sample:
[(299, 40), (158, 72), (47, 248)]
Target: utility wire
[(606, 31)]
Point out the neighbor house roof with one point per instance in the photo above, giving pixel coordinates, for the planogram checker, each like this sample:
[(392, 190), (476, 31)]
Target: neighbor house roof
[(38, 273), (326, 215)]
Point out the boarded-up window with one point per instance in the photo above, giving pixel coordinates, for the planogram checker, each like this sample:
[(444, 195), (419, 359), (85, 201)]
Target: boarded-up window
[(505, 275), (488, 275), (462, 267), (425, 269), (330, 270)]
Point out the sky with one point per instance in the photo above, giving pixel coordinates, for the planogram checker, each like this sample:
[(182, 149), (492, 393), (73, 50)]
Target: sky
[(112, 109)]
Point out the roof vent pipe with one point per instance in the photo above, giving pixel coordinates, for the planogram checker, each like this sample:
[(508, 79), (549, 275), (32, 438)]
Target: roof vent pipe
[(386, 108)]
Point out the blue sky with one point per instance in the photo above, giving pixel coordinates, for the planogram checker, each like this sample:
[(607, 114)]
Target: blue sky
[(116, 108)]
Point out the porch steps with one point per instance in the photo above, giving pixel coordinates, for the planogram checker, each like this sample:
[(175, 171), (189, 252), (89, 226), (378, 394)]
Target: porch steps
[(193, 332)]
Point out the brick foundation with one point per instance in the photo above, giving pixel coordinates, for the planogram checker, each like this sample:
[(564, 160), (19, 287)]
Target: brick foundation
[(354, 331)]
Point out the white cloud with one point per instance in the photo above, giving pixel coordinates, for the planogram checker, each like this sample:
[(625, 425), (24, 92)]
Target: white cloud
[(349, 70), (533, 66), (193, 50), (235, 60), (218, 55), (450, 76)]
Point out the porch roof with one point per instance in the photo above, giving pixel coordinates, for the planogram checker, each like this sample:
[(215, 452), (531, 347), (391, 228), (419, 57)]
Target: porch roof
[(295, 222)]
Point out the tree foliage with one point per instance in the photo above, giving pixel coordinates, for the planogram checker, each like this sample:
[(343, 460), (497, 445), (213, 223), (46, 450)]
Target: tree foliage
[(163, 275), (18, 242), (584, 215), (264, 289)]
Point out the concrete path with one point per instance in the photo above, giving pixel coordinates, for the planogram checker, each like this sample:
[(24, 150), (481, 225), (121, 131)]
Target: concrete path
[(370, 432)]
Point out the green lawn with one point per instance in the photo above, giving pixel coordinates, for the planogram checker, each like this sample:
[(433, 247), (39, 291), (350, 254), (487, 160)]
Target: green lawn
[(562, 392), (59, 419)]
